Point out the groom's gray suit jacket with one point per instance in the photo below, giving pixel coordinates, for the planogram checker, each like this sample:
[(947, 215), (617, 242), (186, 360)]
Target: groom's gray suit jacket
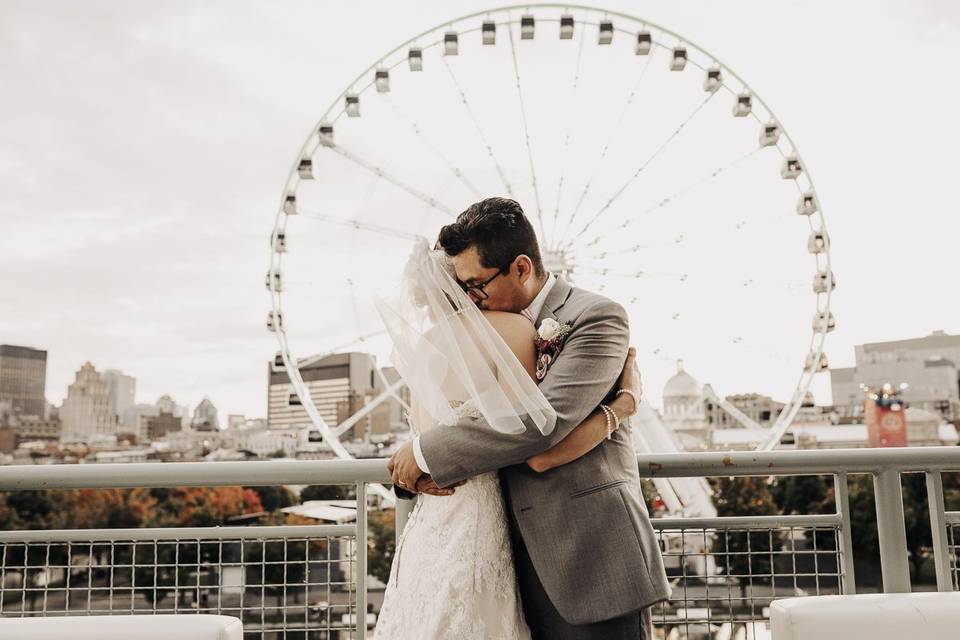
[(585, 524)]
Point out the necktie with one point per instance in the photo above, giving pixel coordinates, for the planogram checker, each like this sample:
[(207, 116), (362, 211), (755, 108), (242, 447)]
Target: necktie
[(529, 316)]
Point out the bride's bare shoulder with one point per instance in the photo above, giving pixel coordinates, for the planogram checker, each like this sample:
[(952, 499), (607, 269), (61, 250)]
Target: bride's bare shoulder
[(510, 324), (519, 335)]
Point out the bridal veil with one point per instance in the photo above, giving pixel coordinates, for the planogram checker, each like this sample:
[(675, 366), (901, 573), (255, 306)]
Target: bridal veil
[(448, 353)]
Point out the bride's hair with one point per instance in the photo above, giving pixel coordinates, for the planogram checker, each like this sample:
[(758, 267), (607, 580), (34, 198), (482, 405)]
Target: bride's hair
[(499, 230)]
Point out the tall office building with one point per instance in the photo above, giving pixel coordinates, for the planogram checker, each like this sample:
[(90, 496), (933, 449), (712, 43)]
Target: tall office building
[(205, 417), (122, 390), (339, 384), (86, 411), (23, 379), (929, 365)]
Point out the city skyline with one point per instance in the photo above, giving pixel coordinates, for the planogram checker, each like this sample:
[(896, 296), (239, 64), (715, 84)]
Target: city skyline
[(137, 224)]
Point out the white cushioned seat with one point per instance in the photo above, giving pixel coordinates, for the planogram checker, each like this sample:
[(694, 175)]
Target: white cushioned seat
[(868, 616), (123, 627)]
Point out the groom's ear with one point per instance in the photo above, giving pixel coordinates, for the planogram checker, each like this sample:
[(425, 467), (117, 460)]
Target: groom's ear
[(524, 266)]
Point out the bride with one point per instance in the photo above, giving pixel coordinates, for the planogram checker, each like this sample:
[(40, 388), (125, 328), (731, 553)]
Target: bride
[(453, 573)]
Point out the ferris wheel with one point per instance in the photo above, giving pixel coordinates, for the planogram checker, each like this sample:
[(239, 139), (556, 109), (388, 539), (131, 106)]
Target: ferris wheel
[(651, 171)]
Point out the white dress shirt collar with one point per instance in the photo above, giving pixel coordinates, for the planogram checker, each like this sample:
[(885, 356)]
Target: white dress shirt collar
[(537, 305)]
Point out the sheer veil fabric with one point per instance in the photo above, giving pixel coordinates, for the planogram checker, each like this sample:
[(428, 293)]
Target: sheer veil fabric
[(449, 354)]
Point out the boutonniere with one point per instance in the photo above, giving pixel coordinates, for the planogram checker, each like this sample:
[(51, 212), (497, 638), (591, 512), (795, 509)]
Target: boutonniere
[(549, 340)]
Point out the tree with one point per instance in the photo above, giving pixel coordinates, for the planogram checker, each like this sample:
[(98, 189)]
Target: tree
[(279, 567), (34, 509), (106, 508), (274, 497), (381, 543), (803, 495), (744, 553), (328, 492), (205, 506), (9, 518)]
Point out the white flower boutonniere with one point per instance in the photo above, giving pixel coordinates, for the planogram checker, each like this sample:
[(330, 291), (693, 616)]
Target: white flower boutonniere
[(549, 340)]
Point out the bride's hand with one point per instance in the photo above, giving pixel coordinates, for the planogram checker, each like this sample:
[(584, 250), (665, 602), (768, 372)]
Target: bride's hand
[(630, 381), (427, 485)]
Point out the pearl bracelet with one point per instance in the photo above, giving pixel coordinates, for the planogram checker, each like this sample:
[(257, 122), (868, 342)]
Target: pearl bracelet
[(629, 392), (612, 419)]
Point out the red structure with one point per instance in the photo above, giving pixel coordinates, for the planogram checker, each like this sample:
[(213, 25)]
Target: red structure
[(886, 420)]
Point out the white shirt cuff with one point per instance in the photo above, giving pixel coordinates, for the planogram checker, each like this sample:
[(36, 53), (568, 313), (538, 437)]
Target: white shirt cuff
[(418, 454)]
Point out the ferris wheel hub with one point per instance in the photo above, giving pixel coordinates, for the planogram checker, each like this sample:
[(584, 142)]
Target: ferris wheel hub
[(558, 261)]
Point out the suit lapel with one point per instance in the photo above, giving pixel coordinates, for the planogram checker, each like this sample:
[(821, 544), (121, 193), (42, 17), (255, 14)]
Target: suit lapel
[(555, 299)]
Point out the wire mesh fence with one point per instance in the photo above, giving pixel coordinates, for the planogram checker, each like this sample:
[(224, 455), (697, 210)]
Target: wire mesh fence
[(281, 582), (725, 577), (953, 548), (309, 581)]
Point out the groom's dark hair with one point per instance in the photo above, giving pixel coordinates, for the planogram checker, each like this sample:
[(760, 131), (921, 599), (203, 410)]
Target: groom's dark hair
[(499, 231)]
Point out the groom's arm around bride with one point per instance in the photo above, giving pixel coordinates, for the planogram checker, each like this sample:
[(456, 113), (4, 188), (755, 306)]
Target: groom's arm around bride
[(582, 528)]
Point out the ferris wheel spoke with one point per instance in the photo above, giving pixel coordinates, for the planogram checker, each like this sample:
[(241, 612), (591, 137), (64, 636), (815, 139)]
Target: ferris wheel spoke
[(368, 407), (744, 281), (606, 145), (566, 137), (397, 182), (476, 125), (619, 192), (637, 275), (680, 238), (526, 132), (357, 224), (457, 172), (306, 362), (672, 198)]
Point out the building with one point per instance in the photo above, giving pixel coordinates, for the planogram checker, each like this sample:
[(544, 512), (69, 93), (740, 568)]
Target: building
[(684, 409), (37, 428), (86, 411), (929, 365), (23, 379), (8, 440), (264, 443), (760, 408), (338, 385), (160, 425), (122, 390), (166, 404), (135, 418), (205, 416)]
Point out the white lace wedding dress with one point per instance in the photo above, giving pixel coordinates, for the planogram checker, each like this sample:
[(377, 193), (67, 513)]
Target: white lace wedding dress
[(452, 573)]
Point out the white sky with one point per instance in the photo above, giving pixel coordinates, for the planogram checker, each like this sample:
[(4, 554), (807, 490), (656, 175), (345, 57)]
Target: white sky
[(143, 148)]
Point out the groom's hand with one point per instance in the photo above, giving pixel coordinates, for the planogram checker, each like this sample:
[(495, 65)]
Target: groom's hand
[(403, 468)]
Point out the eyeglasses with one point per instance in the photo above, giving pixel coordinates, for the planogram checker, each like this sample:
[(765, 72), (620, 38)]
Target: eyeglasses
[(477, 289)]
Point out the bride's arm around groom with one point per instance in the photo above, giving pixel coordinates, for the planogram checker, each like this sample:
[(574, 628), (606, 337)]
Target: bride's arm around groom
[(583, 375)]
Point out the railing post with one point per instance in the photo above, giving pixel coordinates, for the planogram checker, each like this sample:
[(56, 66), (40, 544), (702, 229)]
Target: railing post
[(361, 560), (403, 509), (841, 495), (938, 527), (892, 531)]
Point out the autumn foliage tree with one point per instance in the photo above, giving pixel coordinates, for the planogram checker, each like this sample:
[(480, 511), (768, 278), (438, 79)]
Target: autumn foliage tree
[(202, 506)]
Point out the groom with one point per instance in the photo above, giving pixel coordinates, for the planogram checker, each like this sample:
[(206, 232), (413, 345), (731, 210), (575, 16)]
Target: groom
[(587, 559)]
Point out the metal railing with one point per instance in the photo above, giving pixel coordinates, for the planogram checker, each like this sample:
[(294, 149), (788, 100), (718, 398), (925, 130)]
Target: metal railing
[(310, 581)]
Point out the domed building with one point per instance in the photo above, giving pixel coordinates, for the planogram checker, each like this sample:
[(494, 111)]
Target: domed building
[(683, 409)]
